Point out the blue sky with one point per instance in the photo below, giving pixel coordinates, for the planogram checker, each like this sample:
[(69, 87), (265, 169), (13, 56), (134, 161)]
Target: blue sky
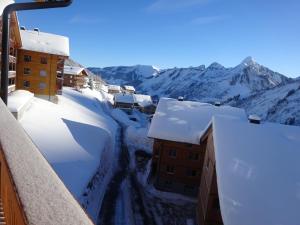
[(182, 33)]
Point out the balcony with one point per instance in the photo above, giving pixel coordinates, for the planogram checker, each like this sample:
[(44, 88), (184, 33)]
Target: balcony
[(30, 191)]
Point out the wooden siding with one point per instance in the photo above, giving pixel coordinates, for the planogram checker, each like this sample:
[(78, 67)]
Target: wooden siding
[(42, 77), (76, 81), (13, 211), (187, 171), (208, 209)]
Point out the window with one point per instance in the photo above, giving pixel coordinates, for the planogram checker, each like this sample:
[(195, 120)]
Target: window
[(168, 183), (43, 73), (26, 84), (71, 77), (172, 153), (170, 169), (44, 60), (27, 71), (27, 58), (42, 85), (11, 81), (193, 156), (71, 81), (191, 173)]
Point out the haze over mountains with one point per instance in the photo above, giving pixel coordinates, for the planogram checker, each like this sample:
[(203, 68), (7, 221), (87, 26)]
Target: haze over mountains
[(250, 85)]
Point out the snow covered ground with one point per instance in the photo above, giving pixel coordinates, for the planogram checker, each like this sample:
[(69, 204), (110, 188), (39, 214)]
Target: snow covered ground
[(76, 136)]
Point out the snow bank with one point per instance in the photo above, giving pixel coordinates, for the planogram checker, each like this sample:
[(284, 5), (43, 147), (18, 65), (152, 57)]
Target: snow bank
[(137, 137), (185, 121), (75, 136), (122, 118), (44, 197), (44, 42), (18, 99), (257, 172)]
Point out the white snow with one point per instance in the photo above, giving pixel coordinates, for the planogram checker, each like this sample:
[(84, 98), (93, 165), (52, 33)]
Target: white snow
[(143, 100), (18, 99), (73, 70), (185, 121), (114, 88), (3, 4), (75, 136), (129, 88), (45, 42), (257, 172), (43, 195), (124, 98)]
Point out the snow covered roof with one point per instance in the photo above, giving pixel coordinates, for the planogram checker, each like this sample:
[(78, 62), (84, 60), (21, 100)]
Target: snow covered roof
[(124, 98), (44, 197), (73, 70), (3, 4), (143, 100), (45, 42), (258, 172), (186, 121), (18, 99), (114, 87), (129, 88)]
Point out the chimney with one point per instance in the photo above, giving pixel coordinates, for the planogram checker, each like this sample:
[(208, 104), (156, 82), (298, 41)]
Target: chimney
[(22, 28), (254, 119), (180, 98), (36, 29), (217, 103)]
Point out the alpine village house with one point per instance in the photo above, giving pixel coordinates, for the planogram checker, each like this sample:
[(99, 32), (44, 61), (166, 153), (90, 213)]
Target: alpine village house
[(75, 77), (40, 63)]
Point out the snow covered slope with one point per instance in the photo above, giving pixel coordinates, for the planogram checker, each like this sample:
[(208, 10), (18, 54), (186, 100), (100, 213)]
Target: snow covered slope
[(206, 84), (280, 104), (75, 136)]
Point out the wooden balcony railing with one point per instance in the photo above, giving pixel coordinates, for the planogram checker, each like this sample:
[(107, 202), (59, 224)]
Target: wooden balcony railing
[(30, 191)]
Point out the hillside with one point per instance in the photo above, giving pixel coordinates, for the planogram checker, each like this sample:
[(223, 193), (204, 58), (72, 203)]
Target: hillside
[(249, 85)]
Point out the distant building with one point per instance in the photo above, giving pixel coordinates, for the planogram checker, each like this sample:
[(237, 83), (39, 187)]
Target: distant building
[(114, 89), (41, 63), (129, 89), (178, 154), (76, 77), (123, 101), (250, 173), (144, 103), (15, 43)]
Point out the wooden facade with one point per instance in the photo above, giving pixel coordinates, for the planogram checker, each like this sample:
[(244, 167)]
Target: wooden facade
[(208, 208), (12, 213), (177, 167), (40, 73), (76, 80), (15, 43)]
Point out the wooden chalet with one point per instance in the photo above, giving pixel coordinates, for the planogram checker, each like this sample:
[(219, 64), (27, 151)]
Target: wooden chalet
[(250, 173), (40, 63), (129, 89), (114, 89), (15, 43), (144, 103), (76, 77), (178, 155), (123, 101)]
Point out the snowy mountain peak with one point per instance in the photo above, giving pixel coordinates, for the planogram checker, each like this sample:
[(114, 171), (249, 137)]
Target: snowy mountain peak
[(215, 66), (249, 61)]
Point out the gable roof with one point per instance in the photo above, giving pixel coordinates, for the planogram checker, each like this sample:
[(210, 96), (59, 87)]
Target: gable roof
[(73, 70), (258, 172), (129, 88), (124, 98), (45, 43), (186, 121), (143, 100)]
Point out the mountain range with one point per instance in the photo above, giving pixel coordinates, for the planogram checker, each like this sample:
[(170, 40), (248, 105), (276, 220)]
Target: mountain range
[(250, 85)]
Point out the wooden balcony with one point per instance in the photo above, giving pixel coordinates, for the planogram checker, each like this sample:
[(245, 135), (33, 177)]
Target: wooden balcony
[(30, 191)]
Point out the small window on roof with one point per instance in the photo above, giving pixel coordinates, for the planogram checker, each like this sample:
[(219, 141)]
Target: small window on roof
[(27, 58)]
